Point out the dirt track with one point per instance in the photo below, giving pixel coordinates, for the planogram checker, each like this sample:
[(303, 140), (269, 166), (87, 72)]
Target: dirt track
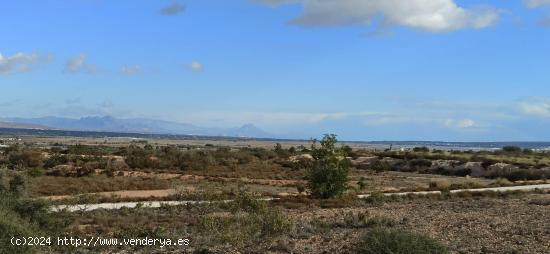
[(91, 207)]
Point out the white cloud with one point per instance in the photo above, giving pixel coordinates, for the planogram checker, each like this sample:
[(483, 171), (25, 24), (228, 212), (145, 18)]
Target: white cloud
[(427, 15), (130, 70), (173, 9), (536, 3), (536, 107), (22, 62), (460, 124), (79, 64), (195, 66)]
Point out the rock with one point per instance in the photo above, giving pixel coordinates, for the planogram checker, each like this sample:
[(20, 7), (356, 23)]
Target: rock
[(445, 165), (501, 170), (61, 170), (502, 167), (301, 157)]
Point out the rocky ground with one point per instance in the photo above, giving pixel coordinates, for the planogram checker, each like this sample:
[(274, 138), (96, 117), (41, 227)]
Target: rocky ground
[(515, 224), (485, 225)]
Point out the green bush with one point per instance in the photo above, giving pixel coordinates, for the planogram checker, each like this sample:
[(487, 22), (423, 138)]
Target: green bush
[(140, 158), (280, 151), (248, 202), (393, 241), (329, 175), (18, 184), (25, 159), (422, 149), (512, 149), (11, 225), (24, 217), (361, 183), (55, 160), (380, 166)]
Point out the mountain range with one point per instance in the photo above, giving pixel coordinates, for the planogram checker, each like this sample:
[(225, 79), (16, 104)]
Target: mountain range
[(130, 125)]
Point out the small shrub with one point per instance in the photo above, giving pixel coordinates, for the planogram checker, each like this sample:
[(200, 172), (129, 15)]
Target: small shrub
[(361, 183), (250, 222), (274, 223), (300, 188), (380, 222), (248, 202), (35, 172), (329, 175), (502, 182), (23, 217), (422, 149), (393, 241), (56, 160), (512, 149), (380, 166), (376, 198), (439, 184), (420, 164), (346, 200), (25, 159), (18, 184)]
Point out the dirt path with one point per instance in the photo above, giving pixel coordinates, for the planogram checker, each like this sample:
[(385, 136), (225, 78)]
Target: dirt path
[(153, 204), (124, 194), (495, 189)]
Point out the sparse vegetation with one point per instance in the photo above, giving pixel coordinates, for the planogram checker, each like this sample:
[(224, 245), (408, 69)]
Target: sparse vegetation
[(251, 221), (221, 172)]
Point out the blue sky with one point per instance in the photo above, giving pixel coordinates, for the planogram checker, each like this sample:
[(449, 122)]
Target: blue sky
[(365, 69)]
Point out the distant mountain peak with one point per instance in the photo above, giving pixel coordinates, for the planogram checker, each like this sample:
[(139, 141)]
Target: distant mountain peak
[(138, 125)]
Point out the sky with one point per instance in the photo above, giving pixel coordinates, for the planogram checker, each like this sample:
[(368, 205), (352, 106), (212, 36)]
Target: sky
[(449, 70)]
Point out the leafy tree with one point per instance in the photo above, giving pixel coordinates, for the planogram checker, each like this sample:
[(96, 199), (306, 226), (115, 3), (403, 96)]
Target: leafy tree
[(329, 175)]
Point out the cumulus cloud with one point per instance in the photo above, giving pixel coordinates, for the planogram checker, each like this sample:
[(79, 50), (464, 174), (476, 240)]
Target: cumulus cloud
[(79, 64), (130, 70), (22, 62), (427, 15), (172, 9), (536, 107), (195, 66)]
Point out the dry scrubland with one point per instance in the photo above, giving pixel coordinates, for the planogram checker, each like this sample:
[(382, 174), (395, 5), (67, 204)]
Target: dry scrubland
[(40, 171)]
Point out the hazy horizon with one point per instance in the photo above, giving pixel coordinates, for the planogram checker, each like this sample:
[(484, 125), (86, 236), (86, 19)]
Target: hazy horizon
[(365, 69)]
